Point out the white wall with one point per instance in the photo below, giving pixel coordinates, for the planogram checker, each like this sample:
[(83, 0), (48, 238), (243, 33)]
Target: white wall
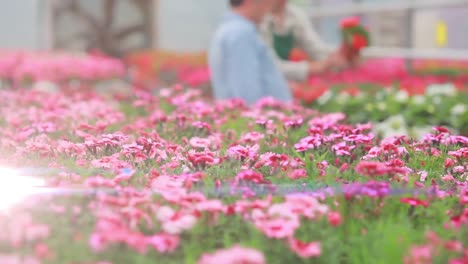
[(19, 24), (187, 25)]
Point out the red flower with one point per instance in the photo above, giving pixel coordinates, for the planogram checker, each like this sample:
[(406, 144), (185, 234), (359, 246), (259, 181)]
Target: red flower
[(358, 42), (414, 202), (350, 22), (297, 55), (441, 129)]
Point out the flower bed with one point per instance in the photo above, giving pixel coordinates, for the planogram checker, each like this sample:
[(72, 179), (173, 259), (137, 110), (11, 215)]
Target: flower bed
[(381, 91), (22, 68), (397, 110), (186, 180), (191, 69)]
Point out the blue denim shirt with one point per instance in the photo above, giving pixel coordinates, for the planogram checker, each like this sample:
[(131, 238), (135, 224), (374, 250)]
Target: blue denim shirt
[(241, 64)]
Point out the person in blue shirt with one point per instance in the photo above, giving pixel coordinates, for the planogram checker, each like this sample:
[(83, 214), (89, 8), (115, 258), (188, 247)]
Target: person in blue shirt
[(241, 64)]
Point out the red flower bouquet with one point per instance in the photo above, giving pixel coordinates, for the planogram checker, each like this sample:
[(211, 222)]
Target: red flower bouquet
[(355, 37)]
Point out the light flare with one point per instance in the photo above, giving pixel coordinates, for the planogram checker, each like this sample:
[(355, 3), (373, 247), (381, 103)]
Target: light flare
[(15, 188)]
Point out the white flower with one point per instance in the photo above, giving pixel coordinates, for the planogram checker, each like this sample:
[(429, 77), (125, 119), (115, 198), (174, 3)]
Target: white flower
[(423, 175), (458, 109), (381, 106), (437, 100), (441, 89), (401, 96), (393, 126), (381, 94), (342, 98), (369, 107), (325, 97), (419, 99), (360, 95), (47, 87), (419, 132)]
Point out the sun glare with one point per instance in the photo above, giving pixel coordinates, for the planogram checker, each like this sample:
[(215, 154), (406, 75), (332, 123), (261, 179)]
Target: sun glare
[(15, 188)]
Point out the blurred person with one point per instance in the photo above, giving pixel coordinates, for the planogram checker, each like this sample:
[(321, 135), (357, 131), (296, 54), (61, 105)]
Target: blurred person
[(287, 27), (241, 64)]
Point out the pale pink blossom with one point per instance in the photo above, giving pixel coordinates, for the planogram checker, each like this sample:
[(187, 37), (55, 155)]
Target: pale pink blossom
[(233, 255)]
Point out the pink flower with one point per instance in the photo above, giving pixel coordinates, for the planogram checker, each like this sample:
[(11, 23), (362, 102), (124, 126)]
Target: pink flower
[(334, 218), (459, 169), (252, 138), (310, 142), (97, 242), (461, 153), (298, 174), (459, 220), (242, 153), (210, 206), (449, 163), (274, 160), (294, 123), (202, 143), (464, 196), (373, 168), (175, 222), (251, 176), (344, 167), (423, 175), (164, 243), (448, 178), (305, 205), (233, 255), (419, 255), (279, 222), (459, 261), (12, 259), (305, 250), (205, 158), (341, 149), (455, 246), (350, 22), (414, 202), (42, 251)]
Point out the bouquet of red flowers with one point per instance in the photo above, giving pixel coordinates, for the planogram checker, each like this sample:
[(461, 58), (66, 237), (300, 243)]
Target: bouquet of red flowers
[(355, 37)]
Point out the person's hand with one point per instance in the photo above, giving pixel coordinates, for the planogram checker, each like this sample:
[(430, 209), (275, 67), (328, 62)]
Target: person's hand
[(317, 67), (338, 61), (341, 60), (349, 54)]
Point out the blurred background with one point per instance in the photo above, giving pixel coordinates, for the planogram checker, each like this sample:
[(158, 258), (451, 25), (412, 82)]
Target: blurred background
[(118, 27)]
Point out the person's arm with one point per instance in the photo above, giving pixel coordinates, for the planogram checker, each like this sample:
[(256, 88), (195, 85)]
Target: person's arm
[(310, 41), (307, 38), (292, 70), (243, 73)]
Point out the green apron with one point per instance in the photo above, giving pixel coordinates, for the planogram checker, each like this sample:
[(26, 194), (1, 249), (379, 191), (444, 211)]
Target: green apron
[(283, 45)]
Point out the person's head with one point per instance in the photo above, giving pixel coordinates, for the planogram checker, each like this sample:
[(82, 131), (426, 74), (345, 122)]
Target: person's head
[(253, 10)]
